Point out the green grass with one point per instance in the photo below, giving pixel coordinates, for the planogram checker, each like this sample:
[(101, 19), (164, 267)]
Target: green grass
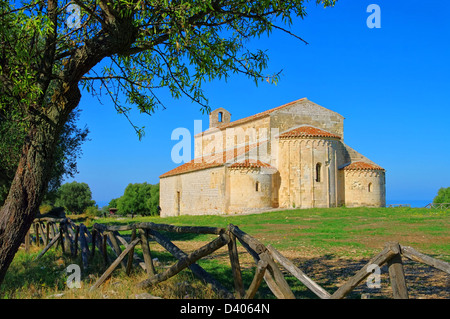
[(333, 230), (318, 235)]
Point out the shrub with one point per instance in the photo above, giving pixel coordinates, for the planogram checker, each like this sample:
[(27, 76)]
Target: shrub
[(443, 196), (92, 211), (44, 209)]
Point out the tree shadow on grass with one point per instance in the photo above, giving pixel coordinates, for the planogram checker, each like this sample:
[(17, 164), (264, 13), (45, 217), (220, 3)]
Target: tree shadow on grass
[(27, 275), (331, 271)]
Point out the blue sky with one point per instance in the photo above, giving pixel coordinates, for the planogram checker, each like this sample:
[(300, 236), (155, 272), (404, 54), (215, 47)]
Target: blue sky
[(391, 84)]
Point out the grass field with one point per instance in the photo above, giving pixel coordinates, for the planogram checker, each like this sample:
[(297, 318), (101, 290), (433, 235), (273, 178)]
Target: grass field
[(330, 245)]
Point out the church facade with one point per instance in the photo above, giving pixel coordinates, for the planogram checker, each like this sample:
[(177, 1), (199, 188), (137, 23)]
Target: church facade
[(291, 156)]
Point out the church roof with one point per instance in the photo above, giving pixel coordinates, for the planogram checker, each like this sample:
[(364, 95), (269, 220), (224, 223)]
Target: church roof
[(258, 115), (362, 166), (254, 117), (250, 164), (190, 167), (307, 131), (230, 156)]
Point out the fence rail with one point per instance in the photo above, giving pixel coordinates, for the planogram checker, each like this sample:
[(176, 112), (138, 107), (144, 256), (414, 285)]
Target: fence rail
[(73, 238), (438, 205), (399, 205)]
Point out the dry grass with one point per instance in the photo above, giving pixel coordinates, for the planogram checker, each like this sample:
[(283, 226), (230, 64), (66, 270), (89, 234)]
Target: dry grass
[(328, 245), (49, 281)]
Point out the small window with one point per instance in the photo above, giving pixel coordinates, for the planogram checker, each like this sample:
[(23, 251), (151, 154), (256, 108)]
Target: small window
[(257, 187), (318, 169), (178, 203), (369, 187), (220, 116)]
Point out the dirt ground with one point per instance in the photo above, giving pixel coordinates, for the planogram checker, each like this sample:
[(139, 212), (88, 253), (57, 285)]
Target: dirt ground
[(331, 271), (423, 281)]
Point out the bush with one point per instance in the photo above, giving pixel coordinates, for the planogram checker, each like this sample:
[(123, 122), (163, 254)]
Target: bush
[(44, 209), (74, 197), (443, 196), (92, 211), (140, 199)]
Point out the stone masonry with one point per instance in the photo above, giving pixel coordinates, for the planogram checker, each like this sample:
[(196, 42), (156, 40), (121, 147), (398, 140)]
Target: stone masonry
[(290, 156)]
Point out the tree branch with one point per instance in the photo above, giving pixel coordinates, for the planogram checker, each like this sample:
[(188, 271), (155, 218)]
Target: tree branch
[(288, 32)]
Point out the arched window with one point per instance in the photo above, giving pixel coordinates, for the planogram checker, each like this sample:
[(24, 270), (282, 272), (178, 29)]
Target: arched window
[(369, 187), (220, 116), (318, 169), (257, 187)]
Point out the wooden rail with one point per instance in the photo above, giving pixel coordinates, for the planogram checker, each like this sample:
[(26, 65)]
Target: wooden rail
[(74, 238), (438, 205), (399, 205)]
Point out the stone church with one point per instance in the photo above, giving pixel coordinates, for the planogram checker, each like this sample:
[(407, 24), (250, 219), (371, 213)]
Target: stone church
[(291, 156)]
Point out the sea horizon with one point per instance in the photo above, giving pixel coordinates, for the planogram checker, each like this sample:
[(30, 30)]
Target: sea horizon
[(418, 203)]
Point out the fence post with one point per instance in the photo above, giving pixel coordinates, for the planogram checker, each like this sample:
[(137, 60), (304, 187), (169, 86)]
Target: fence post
[(75, 248), (104, 249), (235, 267), (116, 248), (257, 279), (83, 245), (36, 230), (272, 268), (44, 238), (27, 242), (47, 231), (396, 274), (94, 238), (131, 253), (146, 252), (61, 239)]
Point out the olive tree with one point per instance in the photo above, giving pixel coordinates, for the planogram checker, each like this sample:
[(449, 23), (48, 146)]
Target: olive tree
[(46, 62)]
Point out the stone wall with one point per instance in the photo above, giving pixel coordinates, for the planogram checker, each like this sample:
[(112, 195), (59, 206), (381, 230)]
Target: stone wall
[(216, 140), (308, 173), (364, 188), (307, 112), (249, 189), (196, 193), (218, 117)]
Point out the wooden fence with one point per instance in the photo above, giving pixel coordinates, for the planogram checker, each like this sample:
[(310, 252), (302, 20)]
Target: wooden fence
[(438, 205), (267, 259), (399, 205)]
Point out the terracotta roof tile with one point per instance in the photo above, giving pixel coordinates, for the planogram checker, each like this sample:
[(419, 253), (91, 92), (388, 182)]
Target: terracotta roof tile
[(210, 161), (250, 164), (308, 131), (362, 166), (189, 167)]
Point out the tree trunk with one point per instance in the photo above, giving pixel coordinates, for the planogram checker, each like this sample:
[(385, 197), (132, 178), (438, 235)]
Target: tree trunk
[(32, 175), (25, 195), (31, 178)]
